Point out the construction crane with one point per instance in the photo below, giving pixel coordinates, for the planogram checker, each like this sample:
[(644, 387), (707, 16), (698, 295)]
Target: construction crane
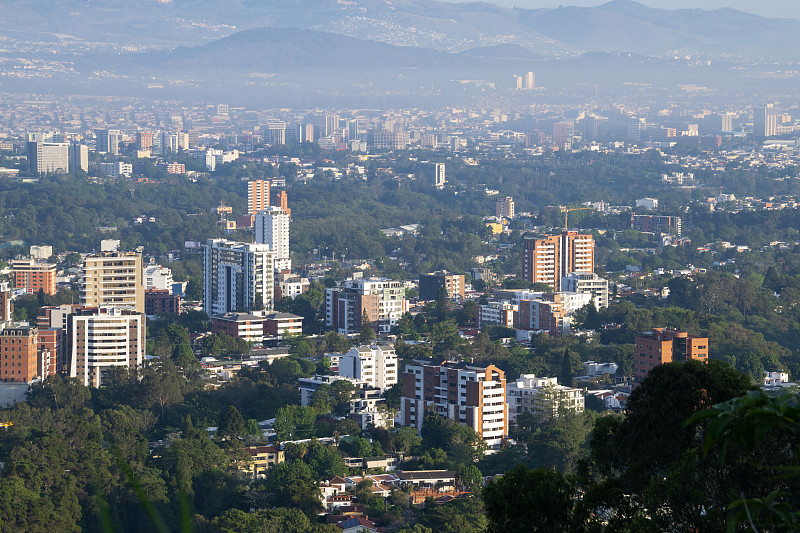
[(566, 210)]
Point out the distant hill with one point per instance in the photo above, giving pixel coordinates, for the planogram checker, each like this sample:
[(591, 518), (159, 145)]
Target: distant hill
[(619, 25)]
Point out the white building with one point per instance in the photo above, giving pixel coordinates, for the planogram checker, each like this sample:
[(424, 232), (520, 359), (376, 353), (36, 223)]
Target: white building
[(41, 253), (44, 158), (157, 277), (219, 157), (109, 338), (591, 283), (543, 397), (237, 276), (272, 228), (498, 314), (308, 386), (650, 204), (382, 299), (116, 169), (377, 365)]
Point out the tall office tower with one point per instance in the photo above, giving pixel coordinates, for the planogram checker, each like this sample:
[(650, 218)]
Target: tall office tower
[(431, 284), (504, 207), (282, 201), (33, 276), (382, 299), (636, 128), (18, 354), (272, 228), (237, 276), (108, 141), (308, 133), (6, 303), (434, 173), (158, 142), (145, 140), (726, 122), (78, 157), (530, 80), (277, 132), (377, 365), (665, 346), (331, 125), (552, 257), (352, 129), (563, 132), (470, 394), (113, 279), (590, 128), (257, 196), (765, 121), (101, 339), (44, 158), (518, 82)]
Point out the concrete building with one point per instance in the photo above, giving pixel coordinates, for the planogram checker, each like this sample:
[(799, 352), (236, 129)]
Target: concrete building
[(544, 398), (651, 204), (548, 259), (102, 339), (271, 227), (78, 157), (6, 303), (237, 276), (665, 346), (497, 314), (19, 354), (308, 386), (434, 173), (656, 224), (157, 277), (587, 283), (41, 253), (765, 121), (161, 301), (107, 141), (116, 169), (257, 196), (382, 299), (51, 350), (240, 326), (504, 207), (44, 158), (261, 459), (377, 365), (281, 324), (469, 394), (113, 279), (33, 276), (431, 284), (563, 133), (530, 80)]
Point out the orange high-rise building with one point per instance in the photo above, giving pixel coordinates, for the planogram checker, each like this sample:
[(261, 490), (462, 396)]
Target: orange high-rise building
[(18, 354), (257, 196), (32, 276), (282, 201), (665, 346), (552, 257)]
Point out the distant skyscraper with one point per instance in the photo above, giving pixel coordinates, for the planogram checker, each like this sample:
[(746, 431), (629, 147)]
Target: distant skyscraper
[(78, 157), (108, 141), (308, 133), (48, 157), (113, 279), (282, 201), (257, 196), (563, 132), (237, 276), (145, 140), (517, 82), (765, 121), (636, 129), (530, 80), (272, 227), (434, 173), (504, 207), (222, 109), (277, 132), (331, 125)]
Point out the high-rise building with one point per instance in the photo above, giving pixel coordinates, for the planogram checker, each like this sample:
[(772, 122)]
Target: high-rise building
[(51, 352), (19, 354), (765, 121), (101, 339), (145, 140), (431, 284), (257, 196), (504, 207), (331, 125), (563, 132), (33, 276), (636, 129), (308, 133), (548, 259), (44, 158), (377, 365), (272, 228), (470, 394), (517, 82), (665, 346), (530, 80), (78, 157), (434, 173), (277, 132), (281, 200), (222, 110), (237, 276), (113, 279), (656, 224), (6, 303), (587, 283), (107, 141), (382, 299)]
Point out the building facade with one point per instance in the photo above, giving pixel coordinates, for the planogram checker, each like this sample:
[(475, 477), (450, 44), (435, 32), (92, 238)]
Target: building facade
[(548, 259), (377, 365), (257, 196), (33, 276), (19, 354), (382, 299), (504, 208), (544, 398), (665, 346), (44, 158), (113, 279), (431, 284), (271, 227), (656, 224), (237, 276), (591, 283)]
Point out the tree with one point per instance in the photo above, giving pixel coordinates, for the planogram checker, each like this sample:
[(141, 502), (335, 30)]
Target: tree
[(366, 334), (231, 424), (569, 362), (525, 500), (469, 476)]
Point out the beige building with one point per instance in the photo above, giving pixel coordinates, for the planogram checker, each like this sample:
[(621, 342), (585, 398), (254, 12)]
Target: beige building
[(113, 279), (261, 459)]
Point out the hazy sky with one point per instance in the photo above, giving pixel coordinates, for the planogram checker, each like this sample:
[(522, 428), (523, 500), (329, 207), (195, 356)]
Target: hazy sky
[(767, 8)]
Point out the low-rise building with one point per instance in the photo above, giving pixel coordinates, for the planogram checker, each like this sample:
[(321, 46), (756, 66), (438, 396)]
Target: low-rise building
[(377, 365), (542, 397), (262, 458), (665, 346)]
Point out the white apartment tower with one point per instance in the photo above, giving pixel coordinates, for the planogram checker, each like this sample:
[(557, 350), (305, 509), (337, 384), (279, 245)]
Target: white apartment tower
[(44, 157), (237, 276), (105, 339), (377, 365), (272, 228)]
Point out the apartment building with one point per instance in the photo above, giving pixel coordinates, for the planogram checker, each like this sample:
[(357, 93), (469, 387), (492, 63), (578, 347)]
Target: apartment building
[(665, 346), (470, 394), (377, 365), (591, 283), (237, 276), (157, 277), (271, 226), (257, 196), (113, 279), (656, 224), (33, 276), (431, 284), (47, 157), (382, 299), (100, 339), (158, 302), (550, 258), (544, 398), (19, 354), (501, 313), (504, 207)]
